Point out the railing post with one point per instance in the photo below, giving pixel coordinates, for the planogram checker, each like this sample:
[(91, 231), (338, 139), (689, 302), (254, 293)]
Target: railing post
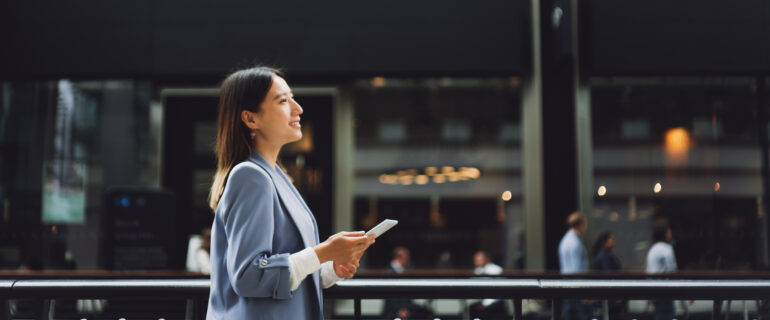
[(716, 309), (553, 310), (517, 312), (745, 311), (189, 313), (357, 308), (47, 309), (605, 310)]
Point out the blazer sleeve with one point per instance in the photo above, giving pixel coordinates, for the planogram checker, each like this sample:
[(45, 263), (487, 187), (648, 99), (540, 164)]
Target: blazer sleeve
[(253, 268)]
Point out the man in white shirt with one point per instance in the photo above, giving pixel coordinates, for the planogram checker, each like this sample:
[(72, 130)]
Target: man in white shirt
[(402, 308), (661, 259), (486, 308), (484, 265), (573, 258)]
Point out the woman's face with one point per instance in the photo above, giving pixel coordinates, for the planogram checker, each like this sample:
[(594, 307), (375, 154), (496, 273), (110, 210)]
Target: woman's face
[(610, 242), (278, 119)]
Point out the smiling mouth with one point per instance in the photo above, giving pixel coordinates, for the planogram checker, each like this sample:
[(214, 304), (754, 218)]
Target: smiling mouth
[(294, 124)]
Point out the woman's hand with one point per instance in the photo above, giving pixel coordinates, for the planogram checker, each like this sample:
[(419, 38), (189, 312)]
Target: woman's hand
[(343, 246), (346, 270)]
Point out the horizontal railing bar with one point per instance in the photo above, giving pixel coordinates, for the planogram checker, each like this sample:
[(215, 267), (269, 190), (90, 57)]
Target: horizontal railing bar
[(645, 289), (152, 288), (5, 287), (432, 288), (408, 288), (548, 289)]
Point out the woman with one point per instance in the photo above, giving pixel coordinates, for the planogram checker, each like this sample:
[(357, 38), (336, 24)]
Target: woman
[(266, 262), (606, 260)]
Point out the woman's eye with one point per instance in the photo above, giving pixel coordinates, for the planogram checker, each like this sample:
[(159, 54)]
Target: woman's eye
[(284, 100)]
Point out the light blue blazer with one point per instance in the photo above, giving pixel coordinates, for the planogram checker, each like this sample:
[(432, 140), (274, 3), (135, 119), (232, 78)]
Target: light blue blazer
[(257, 226)]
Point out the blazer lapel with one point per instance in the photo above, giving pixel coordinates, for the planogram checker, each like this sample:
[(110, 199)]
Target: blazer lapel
[(303, 203), (296, 209)]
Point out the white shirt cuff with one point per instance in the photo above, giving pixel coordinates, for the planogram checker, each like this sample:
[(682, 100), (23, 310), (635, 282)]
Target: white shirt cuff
[(301, 264), (328, 276)]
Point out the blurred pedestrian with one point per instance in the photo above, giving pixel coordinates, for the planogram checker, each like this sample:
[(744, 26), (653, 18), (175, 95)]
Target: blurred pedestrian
[(573, 258), (403, 308), (606, 260), (661, 259), (604, 257), (486, 308), (203, 254)]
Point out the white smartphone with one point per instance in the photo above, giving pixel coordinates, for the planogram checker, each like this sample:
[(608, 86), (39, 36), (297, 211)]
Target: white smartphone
[(379, 229)]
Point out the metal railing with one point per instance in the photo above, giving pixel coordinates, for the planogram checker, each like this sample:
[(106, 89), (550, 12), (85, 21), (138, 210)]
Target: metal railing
[(197, 290)]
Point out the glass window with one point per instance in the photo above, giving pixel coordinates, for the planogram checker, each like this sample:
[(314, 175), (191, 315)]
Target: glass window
[(678, 153), (62, 144), (443, 157)]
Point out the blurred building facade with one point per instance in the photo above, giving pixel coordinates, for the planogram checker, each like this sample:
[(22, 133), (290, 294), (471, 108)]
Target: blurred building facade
[(477, 126)]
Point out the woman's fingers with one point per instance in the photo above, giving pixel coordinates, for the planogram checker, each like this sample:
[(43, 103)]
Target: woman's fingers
[(345, 270), (350, 245)]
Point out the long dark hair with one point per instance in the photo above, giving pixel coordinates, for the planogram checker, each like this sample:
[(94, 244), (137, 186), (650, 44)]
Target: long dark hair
[(242, 90), (600, 241)]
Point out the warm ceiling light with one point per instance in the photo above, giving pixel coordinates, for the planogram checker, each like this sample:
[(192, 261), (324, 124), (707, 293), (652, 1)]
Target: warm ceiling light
[(717, 186), (378, 82), (473, 173), (602, 191), (435, 174), (657, 188), (507, 195), (677, 139)]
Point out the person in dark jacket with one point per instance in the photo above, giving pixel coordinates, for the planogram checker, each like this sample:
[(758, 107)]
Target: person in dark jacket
[(605, 260)]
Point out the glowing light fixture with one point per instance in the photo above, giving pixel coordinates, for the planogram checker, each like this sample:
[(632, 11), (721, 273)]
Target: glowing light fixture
[(676, 146), (378, 82), (717, 186), (657, 188), (602, 191), (507, 195), (430, 174), (677, 140)]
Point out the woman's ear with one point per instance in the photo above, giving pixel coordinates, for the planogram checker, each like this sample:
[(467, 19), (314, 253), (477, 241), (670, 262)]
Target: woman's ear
[(250, 119)]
